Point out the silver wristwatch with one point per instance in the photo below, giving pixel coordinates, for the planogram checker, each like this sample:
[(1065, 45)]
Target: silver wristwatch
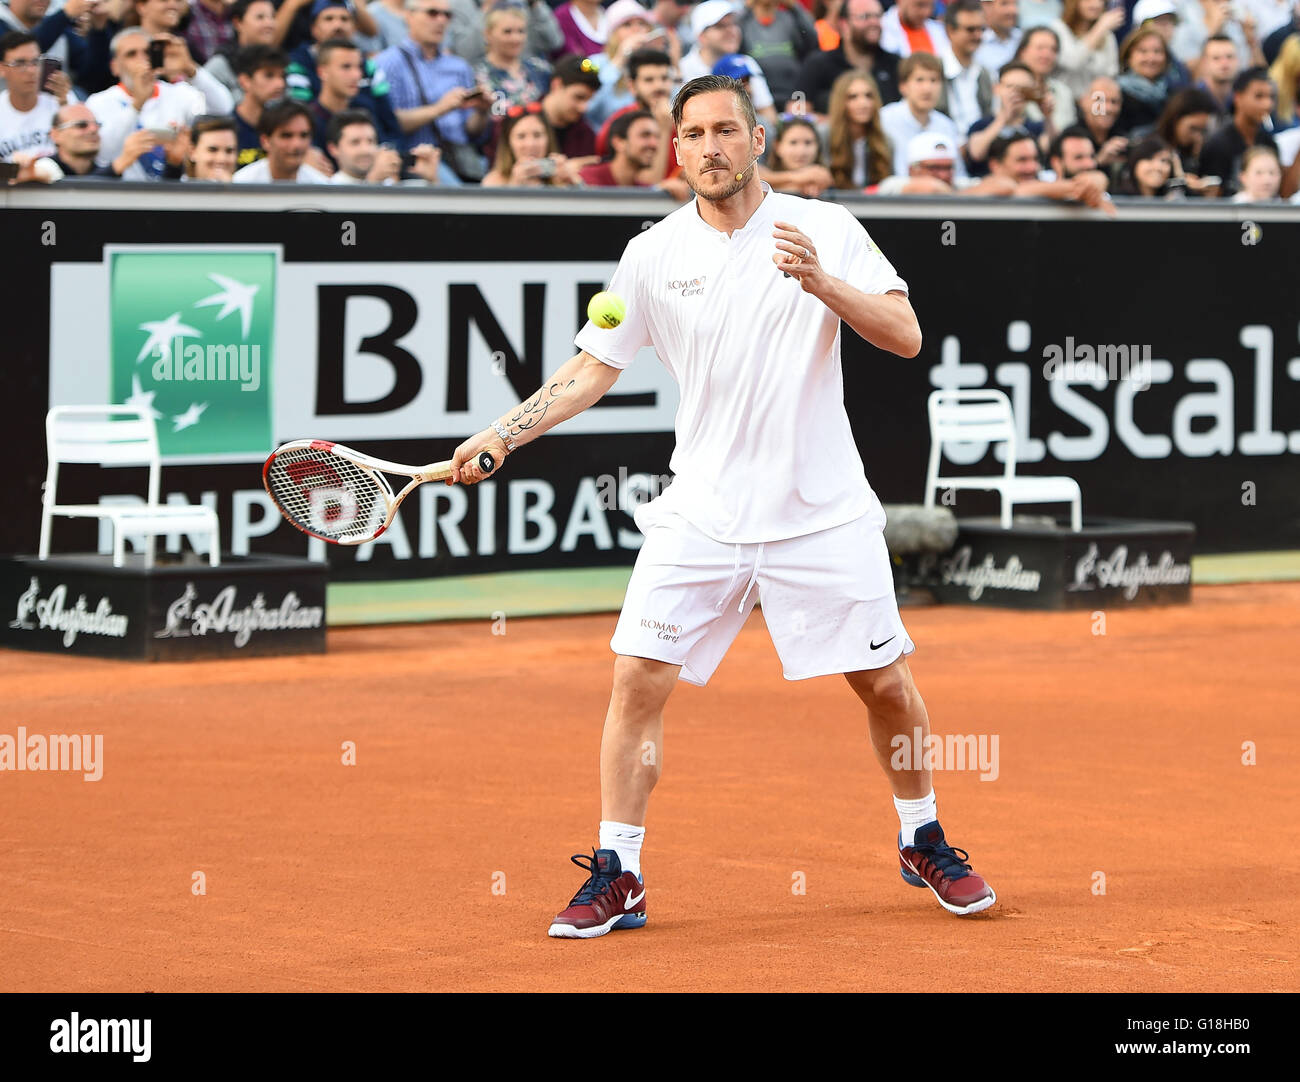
[(505, 436)]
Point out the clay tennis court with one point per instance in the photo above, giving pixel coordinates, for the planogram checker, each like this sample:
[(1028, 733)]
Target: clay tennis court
[(477, 755)]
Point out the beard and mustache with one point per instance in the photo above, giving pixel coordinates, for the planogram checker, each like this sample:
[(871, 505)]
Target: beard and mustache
[(729, 189)]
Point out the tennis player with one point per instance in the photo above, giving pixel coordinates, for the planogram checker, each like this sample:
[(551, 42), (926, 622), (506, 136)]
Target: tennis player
[(741, 292)]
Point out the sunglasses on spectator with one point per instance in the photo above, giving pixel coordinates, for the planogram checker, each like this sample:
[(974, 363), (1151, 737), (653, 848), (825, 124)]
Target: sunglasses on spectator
[(80, 125), (435, 13), (516, 111)]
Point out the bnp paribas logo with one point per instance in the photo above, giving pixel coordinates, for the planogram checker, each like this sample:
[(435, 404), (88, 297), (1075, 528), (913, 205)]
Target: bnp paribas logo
[(191, 344)]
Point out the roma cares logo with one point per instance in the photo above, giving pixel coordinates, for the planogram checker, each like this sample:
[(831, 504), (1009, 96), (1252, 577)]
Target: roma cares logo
[(688, 287)]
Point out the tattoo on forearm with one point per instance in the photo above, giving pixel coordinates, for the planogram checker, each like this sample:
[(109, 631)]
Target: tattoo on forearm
[(530, 414)]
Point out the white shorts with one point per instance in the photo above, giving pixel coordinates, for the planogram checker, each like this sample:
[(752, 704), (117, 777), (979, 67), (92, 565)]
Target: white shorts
[(828, 598)]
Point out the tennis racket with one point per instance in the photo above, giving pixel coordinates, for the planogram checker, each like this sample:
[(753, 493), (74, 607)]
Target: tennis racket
[(340, 495)]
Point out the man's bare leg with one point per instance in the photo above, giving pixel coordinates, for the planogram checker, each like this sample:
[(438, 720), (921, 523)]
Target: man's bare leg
[(632, 747), (631, 758), (894, 708)]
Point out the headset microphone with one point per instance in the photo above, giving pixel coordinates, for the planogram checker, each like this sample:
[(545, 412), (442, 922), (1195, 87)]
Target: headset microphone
[(741, 174)]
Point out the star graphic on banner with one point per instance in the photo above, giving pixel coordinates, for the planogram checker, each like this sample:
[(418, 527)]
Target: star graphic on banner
[(189, 418), (233, 296), (161, 335), (142, 399)]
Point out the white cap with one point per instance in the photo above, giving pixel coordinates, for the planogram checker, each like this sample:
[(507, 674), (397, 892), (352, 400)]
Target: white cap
[(620, 11), (929, 146), (1152, 9), (710, 13)]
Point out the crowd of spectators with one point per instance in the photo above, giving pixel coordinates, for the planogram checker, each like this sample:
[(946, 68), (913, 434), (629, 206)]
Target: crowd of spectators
[(1065, 99)]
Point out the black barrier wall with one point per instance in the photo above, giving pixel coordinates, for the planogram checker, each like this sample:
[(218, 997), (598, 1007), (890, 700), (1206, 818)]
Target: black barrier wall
[(402, 322)]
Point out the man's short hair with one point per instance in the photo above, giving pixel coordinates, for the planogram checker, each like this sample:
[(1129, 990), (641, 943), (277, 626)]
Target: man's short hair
[(254, 58), (1016, 65), (646, 58), (123, 34), (57, 118), (919, 61), (345, 119), (15, 39), (623, 123), (1217, 39), (239, 9), (573, 69), (204, 124), (707, 84), (1003, 143), (330, 46), (1076, 131), (280, 112), (1250, 75), (961, 7)]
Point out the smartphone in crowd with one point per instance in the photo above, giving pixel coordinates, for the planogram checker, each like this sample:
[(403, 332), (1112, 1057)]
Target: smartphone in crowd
[(49, 65), (157, 54), (545, 168), (163, 135)]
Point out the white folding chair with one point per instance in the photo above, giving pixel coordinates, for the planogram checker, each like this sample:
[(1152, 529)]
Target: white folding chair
[(985, 415), (90, 434)]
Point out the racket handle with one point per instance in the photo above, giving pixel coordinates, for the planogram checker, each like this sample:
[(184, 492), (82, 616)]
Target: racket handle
[(442, 470)]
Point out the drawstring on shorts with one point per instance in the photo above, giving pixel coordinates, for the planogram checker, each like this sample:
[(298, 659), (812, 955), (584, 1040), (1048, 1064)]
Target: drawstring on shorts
[(753, 578), (735, 577)]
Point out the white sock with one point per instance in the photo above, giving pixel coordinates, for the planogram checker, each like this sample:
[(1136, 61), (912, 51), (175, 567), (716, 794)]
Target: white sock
[(625, 840), (913, 814)]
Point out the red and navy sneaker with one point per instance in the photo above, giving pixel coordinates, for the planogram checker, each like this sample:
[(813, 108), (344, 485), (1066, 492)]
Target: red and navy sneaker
[(610, 898), (931, 862)]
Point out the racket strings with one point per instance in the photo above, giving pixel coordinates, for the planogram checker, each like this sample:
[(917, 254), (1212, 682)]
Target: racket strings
[(327, 494)]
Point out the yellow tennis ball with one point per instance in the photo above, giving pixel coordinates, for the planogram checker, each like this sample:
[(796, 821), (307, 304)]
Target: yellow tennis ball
[(606, 310)]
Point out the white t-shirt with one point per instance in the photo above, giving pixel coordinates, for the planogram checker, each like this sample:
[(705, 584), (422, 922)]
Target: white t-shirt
[(170, 107), (764, 448), (29, 130), (900, 125), (1288, 145), (259, 172), (994, 51)]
